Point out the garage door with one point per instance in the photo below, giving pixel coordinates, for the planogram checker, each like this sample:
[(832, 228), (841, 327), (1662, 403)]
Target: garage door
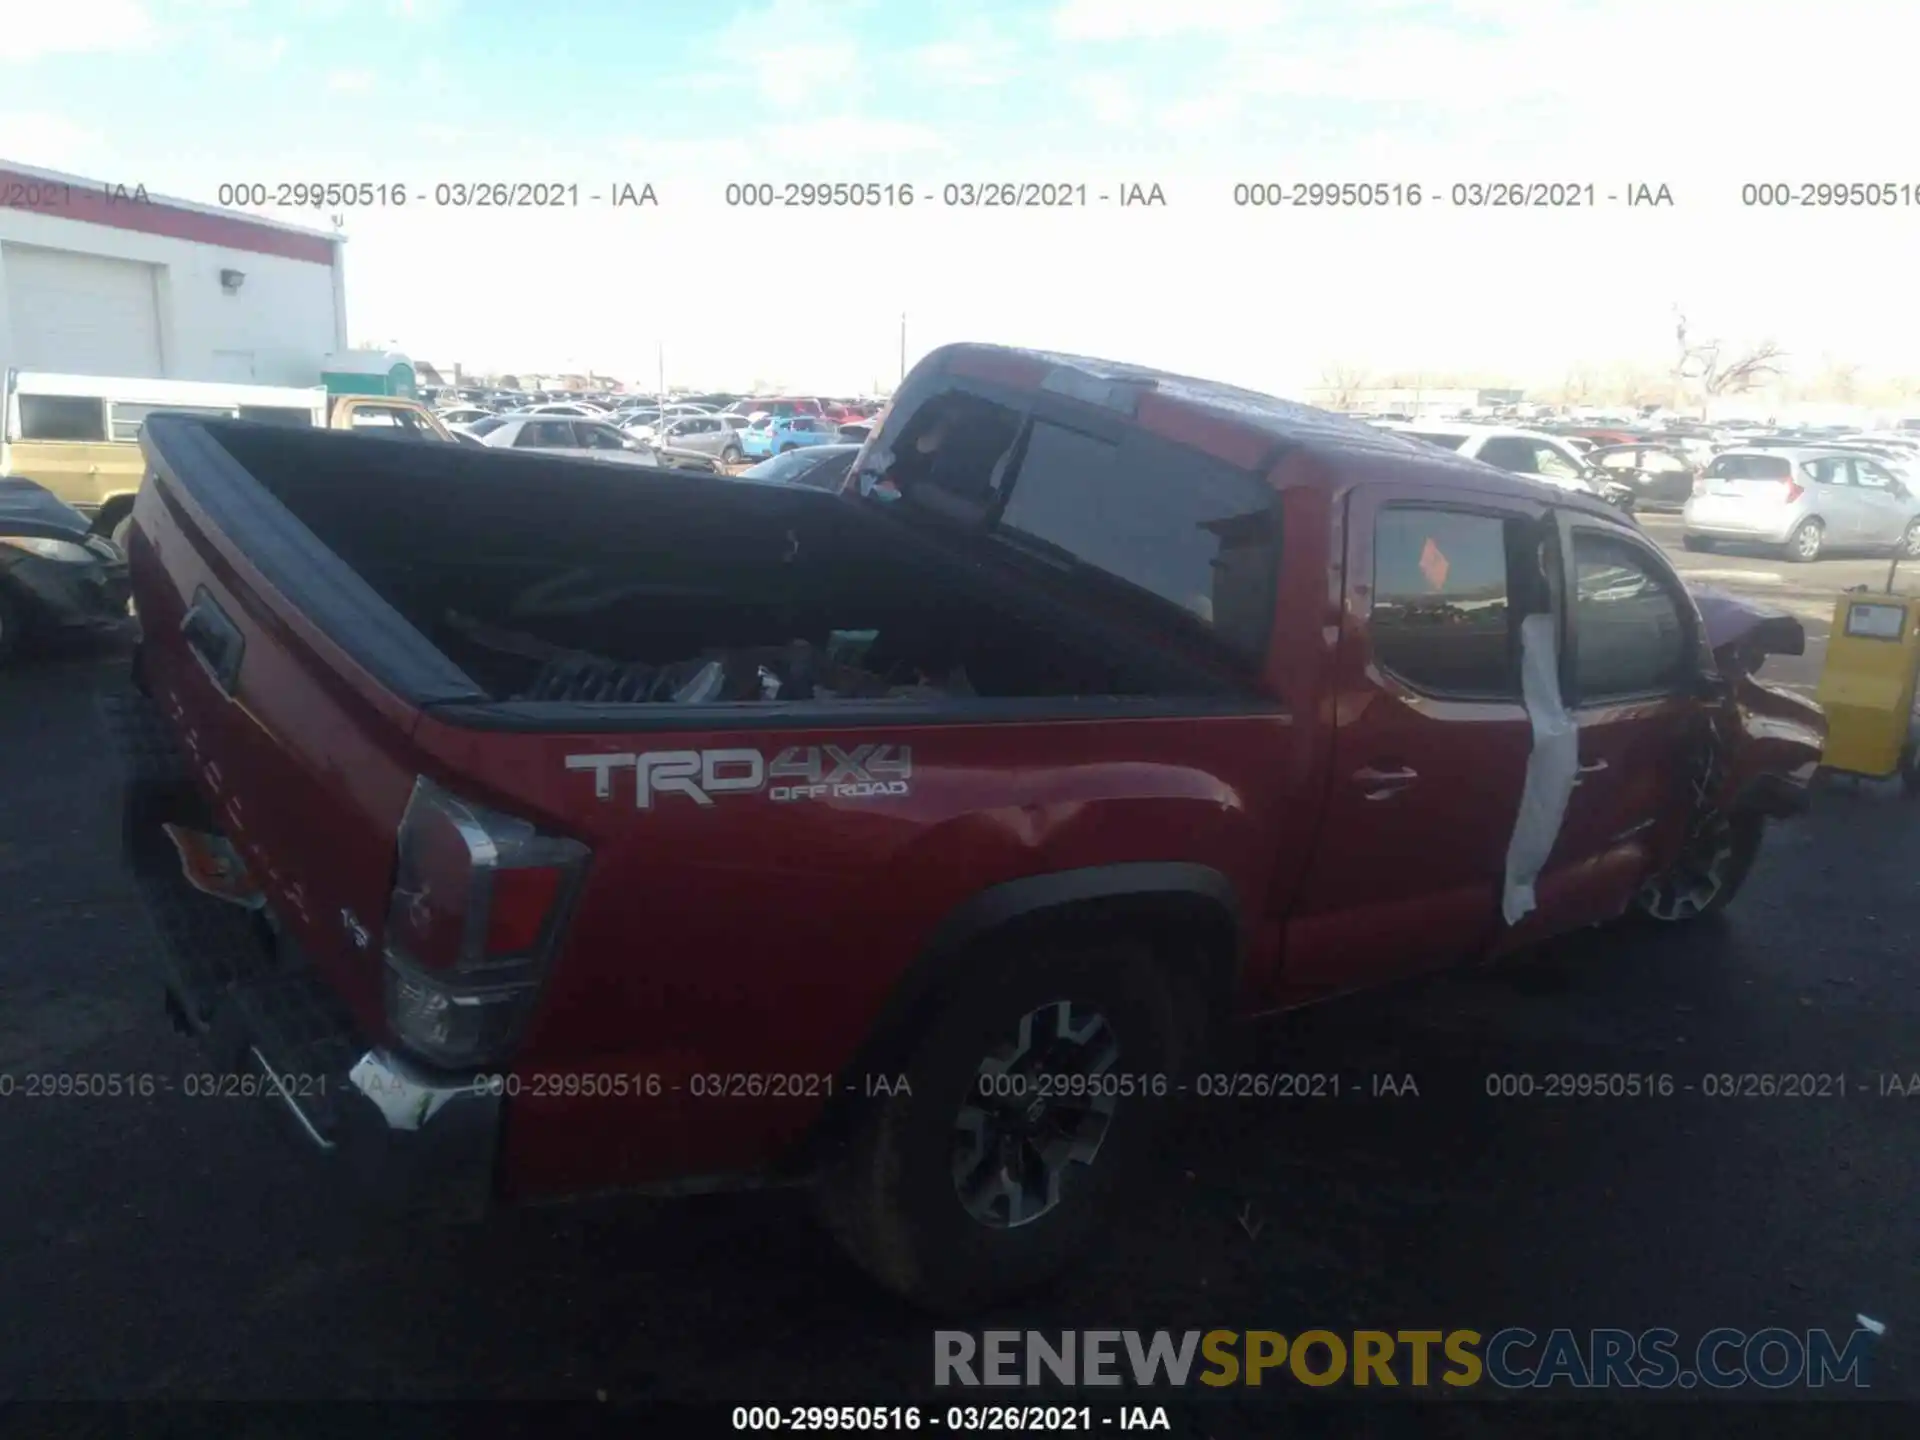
[(81, 314)]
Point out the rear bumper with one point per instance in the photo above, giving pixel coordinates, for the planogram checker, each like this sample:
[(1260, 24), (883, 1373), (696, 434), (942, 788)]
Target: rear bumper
[(1758, 530), (274, 1033)]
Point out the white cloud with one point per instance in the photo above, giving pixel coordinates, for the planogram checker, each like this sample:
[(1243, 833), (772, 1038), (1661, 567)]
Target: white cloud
[(1163, 19), (32, 31), (650, 159), (791, 52), (850, 137), (53, 142), (350, 82), (1110, 99), (967, 64)]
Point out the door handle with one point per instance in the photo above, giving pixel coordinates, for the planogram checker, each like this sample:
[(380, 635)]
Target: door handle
[(1592, 769), (1381, 784), (213, 639)]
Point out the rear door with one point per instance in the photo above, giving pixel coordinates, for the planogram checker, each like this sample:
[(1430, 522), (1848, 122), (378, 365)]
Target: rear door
[(1630, 646), (548, 433), (1668, 476), (1431, 740), (1835, 500), (1883, 514), (62, 442)]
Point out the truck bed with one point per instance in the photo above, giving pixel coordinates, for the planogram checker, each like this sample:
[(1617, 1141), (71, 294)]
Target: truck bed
[(546, 582), (330, 618)]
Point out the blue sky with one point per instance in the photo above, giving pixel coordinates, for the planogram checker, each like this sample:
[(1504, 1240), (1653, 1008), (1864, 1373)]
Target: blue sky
[(182, 95)]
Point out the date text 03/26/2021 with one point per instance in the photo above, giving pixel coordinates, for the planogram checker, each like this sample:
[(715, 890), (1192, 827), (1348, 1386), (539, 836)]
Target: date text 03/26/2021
[(953, 1419)]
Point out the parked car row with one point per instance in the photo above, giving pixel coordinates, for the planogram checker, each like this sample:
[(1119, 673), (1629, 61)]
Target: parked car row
[(698, 433)]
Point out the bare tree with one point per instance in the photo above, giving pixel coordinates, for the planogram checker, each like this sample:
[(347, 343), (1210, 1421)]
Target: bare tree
[(1715, 368), (1579, 386), (1840, 381), (1341, 385)]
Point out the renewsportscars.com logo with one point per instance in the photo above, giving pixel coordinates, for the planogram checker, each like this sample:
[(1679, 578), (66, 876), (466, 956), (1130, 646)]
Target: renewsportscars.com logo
[(1513, 1359)]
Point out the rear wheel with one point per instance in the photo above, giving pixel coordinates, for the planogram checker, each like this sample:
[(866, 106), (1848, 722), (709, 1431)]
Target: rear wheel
[(1910, 542), (731, 455), (1025, 1120), (1708, 874), (1696, 542), (1805, 544)]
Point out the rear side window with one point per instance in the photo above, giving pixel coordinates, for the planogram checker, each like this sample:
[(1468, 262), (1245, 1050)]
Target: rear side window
[(1201, 537), (1512, 452), (277, 415), (486, 426), (1750, 467), (545, 435), (600, 437), (124, 421), (1441, 617), (60, 417), (1629, 638)]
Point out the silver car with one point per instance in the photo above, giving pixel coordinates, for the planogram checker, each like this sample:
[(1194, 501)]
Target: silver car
[(1808, 499), (563, 435), (717, 436)]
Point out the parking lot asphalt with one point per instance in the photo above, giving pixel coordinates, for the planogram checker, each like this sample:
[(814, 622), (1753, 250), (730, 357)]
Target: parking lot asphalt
[(177, 1248)]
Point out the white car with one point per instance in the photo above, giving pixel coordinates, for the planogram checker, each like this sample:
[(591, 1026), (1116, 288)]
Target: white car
[(579, 408), (645, 425), (1523, 452), (569, 435)]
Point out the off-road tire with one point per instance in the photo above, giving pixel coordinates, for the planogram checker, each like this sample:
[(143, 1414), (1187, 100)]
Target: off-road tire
[(1745, 831), (889, 1196)]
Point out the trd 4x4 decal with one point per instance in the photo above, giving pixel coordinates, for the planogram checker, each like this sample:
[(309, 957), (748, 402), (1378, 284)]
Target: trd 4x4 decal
[(800, 772)]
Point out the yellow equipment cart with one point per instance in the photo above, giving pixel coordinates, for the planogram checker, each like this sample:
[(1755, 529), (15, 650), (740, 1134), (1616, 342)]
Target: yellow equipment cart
[(1867, 685)]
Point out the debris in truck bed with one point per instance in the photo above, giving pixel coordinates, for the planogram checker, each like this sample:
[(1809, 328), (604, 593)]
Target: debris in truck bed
[(795, 671)]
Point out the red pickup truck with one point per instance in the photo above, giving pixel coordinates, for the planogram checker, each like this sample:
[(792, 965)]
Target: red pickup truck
[(577, 831)]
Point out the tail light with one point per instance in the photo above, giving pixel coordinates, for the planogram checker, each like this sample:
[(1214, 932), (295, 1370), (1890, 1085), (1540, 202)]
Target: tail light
[(480, 900), (1794, 490)]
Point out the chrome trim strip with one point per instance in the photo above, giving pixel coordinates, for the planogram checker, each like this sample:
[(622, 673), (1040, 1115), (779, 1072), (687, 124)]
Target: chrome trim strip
[(286, 1098)]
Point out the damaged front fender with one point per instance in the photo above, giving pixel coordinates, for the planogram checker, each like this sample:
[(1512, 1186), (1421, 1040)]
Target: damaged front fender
[(1768, 739)]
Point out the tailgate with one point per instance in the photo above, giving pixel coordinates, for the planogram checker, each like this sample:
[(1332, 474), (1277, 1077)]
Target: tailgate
[(263, 652)]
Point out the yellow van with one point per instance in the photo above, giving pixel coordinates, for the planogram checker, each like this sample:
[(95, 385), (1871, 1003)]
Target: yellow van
[(79, 435)]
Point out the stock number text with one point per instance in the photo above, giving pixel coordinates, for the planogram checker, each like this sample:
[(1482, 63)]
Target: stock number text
[(1327, 194)]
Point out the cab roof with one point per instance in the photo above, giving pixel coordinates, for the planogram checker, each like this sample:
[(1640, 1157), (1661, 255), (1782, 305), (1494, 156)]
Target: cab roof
[(1242, 427)]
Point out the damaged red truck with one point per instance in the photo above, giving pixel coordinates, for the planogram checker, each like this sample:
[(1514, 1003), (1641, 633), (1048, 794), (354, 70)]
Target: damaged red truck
[(913, 842)]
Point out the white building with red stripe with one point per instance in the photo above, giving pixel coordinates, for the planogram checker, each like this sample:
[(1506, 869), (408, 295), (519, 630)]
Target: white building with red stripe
[(97, 280)]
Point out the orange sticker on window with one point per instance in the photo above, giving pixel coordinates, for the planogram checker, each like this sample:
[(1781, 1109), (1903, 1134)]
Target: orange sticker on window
[(1433, 565)]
